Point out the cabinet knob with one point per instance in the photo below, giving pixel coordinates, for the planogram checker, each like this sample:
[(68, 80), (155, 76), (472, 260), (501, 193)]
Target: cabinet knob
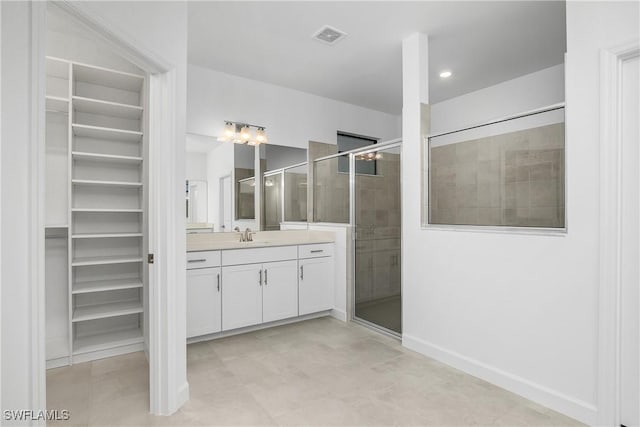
[(218, 282), (265, 277), (260, 277), (302, 272)]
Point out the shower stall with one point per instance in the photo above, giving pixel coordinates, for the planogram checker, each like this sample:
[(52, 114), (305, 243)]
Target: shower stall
[(362, 188)]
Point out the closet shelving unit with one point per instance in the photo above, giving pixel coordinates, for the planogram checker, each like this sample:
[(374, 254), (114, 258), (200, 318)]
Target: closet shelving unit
[(104, 217)]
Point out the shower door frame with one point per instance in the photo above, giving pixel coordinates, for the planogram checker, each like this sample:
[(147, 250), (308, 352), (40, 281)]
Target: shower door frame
[(351, 288), (352, 220)]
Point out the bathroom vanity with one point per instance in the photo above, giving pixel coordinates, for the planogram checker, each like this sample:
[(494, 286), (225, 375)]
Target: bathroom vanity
[(279, 277)]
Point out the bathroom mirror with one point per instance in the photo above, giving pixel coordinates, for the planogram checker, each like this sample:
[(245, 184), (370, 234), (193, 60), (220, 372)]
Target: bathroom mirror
[(276, 159), (196, 201), (245, 185)]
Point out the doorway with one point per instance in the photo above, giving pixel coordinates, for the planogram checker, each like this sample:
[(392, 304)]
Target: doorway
[(165, 377)]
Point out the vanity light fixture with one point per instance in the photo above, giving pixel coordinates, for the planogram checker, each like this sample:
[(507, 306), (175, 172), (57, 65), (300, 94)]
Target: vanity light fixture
[(240, 133), (445, 74), (368, 157)]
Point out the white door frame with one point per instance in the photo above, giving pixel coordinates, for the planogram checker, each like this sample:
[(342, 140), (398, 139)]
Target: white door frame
[(166, 395), (221, 203), (609, 338)]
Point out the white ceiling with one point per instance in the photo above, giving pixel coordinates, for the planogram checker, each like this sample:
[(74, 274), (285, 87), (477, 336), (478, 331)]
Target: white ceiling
[(482, 43)]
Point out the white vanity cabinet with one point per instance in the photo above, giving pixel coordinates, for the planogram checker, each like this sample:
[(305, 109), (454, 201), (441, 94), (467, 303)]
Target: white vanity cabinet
[(204, 290), (315, 285), (241, 296), (280, 290), (238, 288), (259, 293)]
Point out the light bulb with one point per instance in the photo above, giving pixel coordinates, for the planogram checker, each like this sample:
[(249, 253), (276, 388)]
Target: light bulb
[(229, 130), (245, 133), (261, 136)]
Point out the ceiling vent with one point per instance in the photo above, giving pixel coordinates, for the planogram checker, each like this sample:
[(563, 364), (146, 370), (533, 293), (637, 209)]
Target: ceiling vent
[(329, 35)]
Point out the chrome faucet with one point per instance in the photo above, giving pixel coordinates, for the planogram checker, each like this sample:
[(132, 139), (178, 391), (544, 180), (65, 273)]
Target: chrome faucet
[(247, 236)]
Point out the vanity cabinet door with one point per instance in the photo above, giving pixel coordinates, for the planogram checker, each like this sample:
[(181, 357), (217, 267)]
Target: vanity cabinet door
[(279, 290), (203, 302), (315, 285), (241, 296)]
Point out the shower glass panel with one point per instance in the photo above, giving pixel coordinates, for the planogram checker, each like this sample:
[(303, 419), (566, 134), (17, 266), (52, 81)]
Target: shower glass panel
[(295, 193), (377, 216), (272, 201), (331, 191)]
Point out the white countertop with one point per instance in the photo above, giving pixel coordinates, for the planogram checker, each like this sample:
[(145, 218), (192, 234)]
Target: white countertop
[(261, 239)]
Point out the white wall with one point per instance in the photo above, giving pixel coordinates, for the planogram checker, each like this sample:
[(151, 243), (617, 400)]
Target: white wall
[(196, 166), (68, 40), (158, 27), (291, 117), (525, 93), (516, 309)]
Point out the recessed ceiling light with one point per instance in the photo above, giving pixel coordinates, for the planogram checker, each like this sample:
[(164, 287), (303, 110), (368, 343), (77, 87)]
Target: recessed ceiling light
[(445, 74)]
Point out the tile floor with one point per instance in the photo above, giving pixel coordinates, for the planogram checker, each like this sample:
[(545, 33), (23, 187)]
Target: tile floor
[(318, 372)]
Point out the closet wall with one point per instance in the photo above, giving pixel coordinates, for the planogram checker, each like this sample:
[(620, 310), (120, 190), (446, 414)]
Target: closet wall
[(95, 200)]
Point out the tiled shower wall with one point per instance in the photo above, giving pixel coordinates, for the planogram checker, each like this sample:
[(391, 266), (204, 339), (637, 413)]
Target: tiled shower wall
[(513, 179), (378, 231)]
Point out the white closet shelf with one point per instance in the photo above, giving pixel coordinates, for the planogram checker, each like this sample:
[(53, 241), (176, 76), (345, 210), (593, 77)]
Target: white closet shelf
[(105, 157), (107, 341), (106, 108), (57, 67), (106, 77), (106, 210), (104, 260), (99, 132), (105, 285), (56, 226), (56, 104), (102, 311), (107, 183), (103, 235)]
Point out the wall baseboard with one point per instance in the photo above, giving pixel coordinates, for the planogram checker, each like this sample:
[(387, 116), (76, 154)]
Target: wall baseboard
[(567, 405), (339, 314), (183, 395)]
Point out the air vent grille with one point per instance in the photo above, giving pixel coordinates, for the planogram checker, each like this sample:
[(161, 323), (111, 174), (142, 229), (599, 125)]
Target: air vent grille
[(329, 35)]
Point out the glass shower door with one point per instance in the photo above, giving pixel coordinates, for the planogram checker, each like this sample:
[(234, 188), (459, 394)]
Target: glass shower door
[(376, 217)]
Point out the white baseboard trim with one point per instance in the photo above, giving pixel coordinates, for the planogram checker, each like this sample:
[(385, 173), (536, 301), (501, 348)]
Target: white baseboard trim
[(183, 395), (223, 334), (567, 405), (339, 314)]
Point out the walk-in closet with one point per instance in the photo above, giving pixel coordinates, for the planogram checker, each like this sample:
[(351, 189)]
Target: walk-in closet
[(95, 197)]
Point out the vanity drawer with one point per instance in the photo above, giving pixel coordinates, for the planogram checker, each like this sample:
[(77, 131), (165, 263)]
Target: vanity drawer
[(315, 251), (258, 255), (203, 259)]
